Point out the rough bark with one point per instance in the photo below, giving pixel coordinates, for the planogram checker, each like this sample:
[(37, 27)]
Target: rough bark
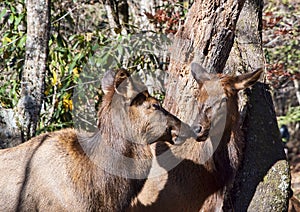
[(9, 131), (297, 88), (33, 74), (263, 181), (247, 54), (207, 38), (118, 15)]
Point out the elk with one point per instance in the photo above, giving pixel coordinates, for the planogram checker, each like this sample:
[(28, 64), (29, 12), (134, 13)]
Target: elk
[(208, 168), (71, 171)]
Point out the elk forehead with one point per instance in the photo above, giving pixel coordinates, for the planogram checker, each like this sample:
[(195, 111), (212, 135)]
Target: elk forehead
[(228, 86), (210, 91), (152, 102), (143, 105)]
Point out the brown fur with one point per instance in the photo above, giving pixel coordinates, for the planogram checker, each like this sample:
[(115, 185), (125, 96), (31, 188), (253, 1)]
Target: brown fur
[(294, 204), (199, 182), (68, 171)]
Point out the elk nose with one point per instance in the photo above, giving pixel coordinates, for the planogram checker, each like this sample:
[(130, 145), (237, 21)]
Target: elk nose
[(197, 129), (181, 133), (201, 132)]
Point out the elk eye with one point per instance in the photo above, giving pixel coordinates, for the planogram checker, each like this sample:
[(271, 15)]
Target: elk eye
[(122, 75), (140, 99), (156, 106)]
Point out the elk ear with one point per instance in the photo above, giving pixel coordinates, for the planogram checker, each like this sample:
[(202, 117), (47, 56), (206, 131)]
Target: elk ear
[(246, 80), (126, 89), (128, 86), (199, 73), (107, 81), (122, 83), (121, 77)]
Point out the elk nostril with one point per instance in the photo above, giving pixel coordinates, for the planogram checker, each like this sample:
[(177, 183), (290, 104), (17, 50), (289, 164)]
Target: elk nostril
[(174, 133), (197, 129)]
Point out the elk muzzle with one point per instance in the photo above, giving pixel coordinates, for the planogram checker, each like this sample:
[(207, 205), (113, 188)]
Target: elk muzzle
[(178, 130)]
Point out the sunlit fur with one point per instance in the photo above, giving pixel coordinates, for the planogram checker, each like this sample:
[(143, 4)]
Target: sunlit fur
[(65, 171), (200, 181)]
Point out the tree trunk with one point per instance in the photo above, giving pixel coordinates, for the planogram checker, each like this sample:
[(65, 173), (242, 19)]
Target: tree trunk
[(33, 75), (263, 181), (9, 131), (207, 38), (138, 9), (297, 87), (118, 15)]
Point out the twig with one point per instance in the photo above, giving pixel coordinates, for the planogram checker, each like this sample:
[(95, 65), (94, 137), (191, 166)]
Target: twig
[(53, 22), (11, 42)]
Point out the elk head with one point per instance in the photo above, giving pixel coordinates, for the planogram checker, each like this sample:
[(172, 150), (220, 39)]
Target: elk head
[(139, 116), (218, 101)]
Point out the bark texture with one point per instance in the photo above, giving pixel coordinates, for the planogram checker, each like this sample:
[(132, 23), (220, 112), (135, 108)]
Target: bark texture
[(118, 15), (297, 87), (138, 9), (207, 37), (9, 131), (33, 75), (247, 54), (263, 181)]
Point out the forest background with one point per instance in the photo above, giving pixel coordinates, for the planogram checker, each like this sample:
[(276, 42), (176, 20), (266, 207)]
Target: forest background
[(81, 29)]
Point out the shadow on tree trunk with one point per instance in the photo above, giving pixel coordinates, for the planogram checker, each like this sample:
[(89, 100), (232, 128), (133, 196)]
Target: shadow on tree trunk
[(263, 180)]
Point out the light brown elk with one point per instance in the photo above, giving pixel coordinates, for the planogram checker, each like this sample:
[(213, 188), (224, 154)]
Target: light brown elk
[(207, 168), (65, 171)]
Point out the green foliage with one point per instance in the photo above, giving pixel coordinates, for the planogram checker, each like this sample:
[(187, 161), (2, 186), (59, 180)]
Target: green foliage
[(292, 116), (282, 51), (67, 57), (12, 50), (131, 51), (76, 64), (80, 50)]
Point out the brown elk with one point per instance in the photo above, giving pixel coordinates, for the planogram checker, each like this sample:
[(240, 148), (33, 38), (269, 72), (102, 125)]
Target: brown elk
[(65, 171), (208, 168)]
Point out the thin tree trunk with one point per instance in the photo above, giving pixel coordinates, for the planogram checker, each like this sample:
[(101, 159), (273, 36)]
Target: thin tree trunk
[(297, 88), (33, 75), (118, 15), (138, 9)]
